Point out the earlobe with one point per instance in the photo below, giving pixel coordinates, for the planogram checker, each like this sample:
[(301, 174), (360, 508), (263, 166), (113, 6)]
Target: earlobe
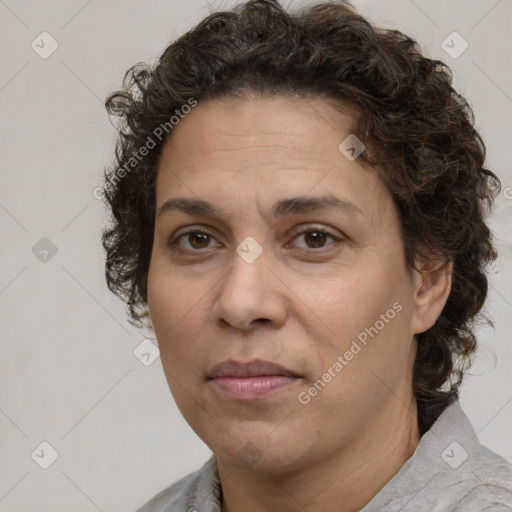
[(432, 289)]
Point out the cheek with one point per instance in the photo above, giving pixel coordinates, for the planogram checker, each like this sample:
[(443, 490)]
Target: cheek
[(370, 307), (369, 331), (175, 309), (354, 299), (177, 313)]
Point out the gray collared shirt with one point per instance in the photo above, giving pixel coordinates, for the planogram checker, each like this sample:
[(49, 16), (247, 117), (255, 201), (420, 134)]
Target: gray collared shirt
[(450, 471)]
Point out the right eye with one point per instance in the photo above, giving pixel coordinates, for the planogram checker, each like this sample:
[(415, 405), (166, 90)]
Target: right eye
[(193, 240)]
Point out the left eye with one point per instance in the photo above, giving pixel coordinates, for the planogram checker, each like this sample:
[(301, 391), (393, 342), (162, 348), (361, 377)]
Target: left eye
[(315, 238)]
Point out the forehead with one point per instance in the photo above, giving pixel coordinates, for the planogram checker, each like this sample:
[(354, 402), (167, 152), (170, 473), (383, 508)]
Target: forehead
[(280, 123), (264, 149)]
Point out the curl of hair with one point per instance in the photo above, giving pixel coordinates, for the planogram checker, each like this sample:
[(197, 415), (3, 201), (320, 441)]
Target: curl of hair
[(419, 134)]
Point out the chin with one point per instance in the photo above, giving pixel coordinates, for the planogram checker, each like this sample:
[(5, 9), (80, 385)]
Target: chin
[(258, 452)]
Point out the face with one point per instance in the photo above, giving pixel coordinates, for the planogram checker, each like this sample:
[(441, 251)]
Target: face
[(272, 248)]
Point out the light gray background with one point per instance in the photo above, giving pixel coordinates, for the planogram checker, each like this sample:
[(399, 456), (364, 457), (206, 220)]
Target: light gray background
[(68, 373)]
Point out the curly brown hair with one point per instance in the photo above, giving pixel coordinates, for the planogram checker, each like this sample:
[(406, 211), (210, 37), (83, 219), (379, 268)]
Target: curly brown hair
[(419, 135)]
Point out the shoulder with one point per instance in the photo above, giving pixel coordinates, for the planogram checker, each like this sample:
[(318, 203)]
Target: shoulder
[(195, 492), (484, 484), (449, 472), (467, 475), (480, 479)]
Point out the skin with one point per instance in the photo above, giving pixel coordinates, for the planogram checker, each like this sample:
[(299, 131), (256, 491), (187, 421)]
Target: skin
[(300, 304)]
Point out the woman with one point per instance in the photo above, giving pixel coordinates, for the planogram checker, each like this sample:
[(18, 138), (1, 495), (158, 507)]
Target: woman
[(298, 210)]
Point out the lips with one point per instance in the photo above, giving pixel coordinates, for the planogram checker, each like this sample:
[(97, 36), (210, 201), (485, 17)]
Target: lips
[(255, 368), (255, 379)]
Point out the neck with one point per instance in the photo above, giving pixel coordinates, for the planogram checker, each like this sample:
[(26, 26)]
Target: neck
[(342, 481)]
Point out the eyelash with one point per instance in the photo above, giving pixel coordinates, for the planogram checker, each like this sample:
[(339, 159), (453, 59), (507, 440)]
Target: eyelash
[(311, 229)]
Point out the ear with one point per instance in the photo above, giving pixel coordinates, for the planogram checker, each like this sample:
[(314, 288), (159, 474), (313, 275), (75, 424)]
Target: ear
[(432, 286)]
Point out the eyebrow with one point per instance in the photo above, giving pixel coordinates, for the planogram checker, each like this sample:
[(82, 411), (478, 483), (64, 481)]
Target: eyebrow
[(283, 208)]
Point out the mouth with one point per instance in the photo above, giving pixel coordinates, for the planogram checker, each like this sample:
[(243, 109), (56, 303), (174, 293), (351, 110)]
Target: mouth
[(252, 380)]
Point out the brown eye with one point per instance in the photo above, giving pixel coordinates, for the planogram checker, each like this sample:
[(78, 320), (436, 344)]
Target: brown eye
[(199, 240), (194, 240), (314, 239)]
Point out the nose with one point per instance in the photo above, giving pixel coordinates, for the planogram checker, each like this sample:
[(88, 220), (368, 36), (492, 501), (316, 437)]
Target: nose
[(250, 294)]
